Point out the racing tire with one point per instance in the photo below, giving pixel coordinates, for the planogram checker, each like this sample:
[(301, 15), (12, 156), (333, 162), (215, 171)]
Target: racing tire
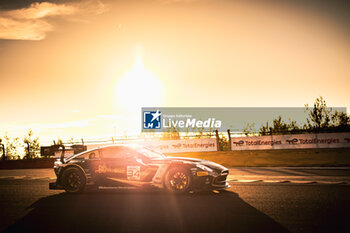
[(177, 180), (74, 180)]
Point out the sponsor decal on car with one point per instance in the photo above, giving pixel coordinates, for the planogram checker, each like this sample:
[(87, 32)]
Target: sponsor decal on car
[(133, 172), (102, 169)]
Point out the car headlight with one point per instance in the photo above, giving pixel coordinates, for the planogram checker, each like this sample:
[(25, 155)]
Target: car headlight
[(204, 168), (205, 173)]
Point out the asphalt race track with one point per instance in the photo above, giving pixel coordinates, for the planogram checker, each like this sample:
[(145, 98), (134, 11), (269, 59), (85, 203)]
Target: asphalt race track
[(260, 200)]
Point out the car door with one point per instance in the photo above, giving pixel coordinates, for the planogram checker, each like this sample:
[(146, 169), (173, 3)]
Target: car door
[(93, 161), (122, 166), (111, 168)]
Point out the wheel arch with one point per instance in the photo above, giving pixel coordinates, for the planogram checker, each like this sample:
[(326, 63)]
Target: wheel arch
[(59, 179), (180, 164)]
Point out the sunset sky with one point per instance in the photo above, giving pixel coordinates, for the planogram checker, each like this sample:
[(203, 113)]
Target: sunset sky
[(85, 68)]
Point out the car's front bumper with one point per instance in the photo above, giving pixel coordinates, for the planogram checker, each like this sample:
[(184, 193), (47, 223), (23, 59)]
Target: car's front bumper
[(219, 187), (217, 182)]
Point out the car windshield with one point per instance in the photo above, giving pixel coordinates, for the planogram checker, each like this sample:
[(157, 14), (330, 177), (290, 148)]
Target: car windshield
[(150, 153)]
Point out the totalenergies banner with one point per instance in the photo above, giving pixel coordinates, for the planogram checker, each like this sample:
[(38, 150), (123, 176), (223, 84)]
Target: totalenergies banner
[(185, 145), (173, 146), (292, 141)]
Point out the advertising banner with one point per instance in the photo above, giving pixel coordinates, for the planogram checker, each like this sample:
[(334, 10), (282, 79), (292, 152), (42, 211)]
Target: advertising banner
[(185, 145), (292, 141), (173, 146)]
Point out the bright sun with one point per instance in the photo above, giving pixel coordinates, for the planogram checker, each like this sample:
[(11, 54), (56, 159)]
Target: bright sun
[(138, 88)]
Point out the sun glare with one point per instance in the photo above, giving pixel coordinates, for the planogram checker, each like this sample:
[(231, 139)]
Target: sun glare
[(139, 87)]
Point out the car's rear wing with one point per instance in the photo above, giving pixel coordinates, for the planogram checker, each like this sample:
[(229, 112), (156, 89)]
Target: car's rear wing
[(61, 151)]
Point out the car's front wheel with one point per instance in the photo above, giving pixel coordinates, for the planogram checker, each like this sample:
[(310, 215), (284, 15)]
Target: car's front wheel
[(73, 180), (177, 180)]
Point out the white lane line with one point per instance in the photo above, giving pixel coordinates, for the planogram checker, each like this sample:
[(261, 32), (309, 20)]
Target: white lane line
[(303, 181), (314, 178), (292, 168), (42, 178), (292, 182), (7, 177), (331, 182), (317, 168), (276, 181), (13, 177), (246, 181), (284, 171), (27, 178)]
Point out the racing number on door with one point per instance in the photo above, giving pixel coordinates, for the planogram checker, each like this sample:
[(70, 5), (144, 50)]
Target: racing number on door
[(133, 172)]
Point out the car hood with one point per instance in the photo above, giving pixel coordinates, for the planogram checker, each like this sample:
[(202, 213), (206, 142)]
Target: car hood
[(207, 163)]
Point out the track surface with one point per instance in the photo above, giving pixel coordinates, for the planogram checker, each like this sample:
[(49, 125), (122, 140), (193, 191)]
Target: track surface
[(252, 204)]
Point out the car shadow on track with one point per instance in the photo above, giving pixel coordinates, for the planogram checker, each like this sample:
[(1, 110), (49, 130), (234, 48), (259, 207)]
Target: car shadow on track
[(129, 211)]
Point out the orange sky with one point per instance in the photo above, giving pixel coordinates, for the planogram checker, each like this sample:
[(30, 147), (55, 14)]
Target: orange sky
[(66, 66)]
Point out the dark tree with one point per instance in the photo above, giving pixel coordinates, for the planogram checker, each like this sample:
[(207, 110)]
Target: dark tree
[(32, 146)]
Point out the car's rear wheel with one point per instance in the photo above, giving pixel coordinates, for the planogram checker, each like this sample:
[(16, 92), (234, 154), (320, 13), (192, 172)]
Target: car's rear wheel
[(73, 180), (177, 180)]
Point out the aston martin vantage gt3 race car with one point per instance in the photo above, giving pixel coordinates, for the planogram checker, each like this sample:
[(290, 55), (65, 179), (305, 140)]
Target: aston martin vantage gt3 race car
[(121, 166)]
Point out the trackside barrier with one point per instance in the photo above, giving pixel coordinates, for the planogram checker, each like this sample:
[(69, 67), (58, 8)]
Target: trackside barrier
[(175, 146), (292, 141)]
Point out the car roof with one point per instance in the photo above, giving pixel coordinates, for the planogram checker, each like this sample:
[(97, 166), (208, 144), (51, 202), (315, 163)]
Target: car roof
[(97, 148), (106, 146)]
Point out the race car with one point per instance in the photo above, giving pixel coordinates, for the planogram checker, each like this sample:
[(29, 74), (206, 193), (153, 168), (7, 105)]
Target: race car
[(130, 166)]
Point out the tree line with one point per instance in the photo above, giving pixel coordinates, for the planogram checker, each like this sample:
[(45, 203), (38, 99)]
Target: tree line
[(10, 147), (320, 119)]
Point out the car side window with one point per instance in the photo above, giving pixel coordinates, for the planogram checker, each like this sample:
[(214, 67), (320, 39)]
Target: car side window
[(118, 152), (90, 155), (94, 155), (84, 156)]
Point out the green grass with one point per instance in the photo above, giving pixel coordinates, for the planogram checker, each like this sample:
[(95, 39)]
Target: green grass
[(275, 158)]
